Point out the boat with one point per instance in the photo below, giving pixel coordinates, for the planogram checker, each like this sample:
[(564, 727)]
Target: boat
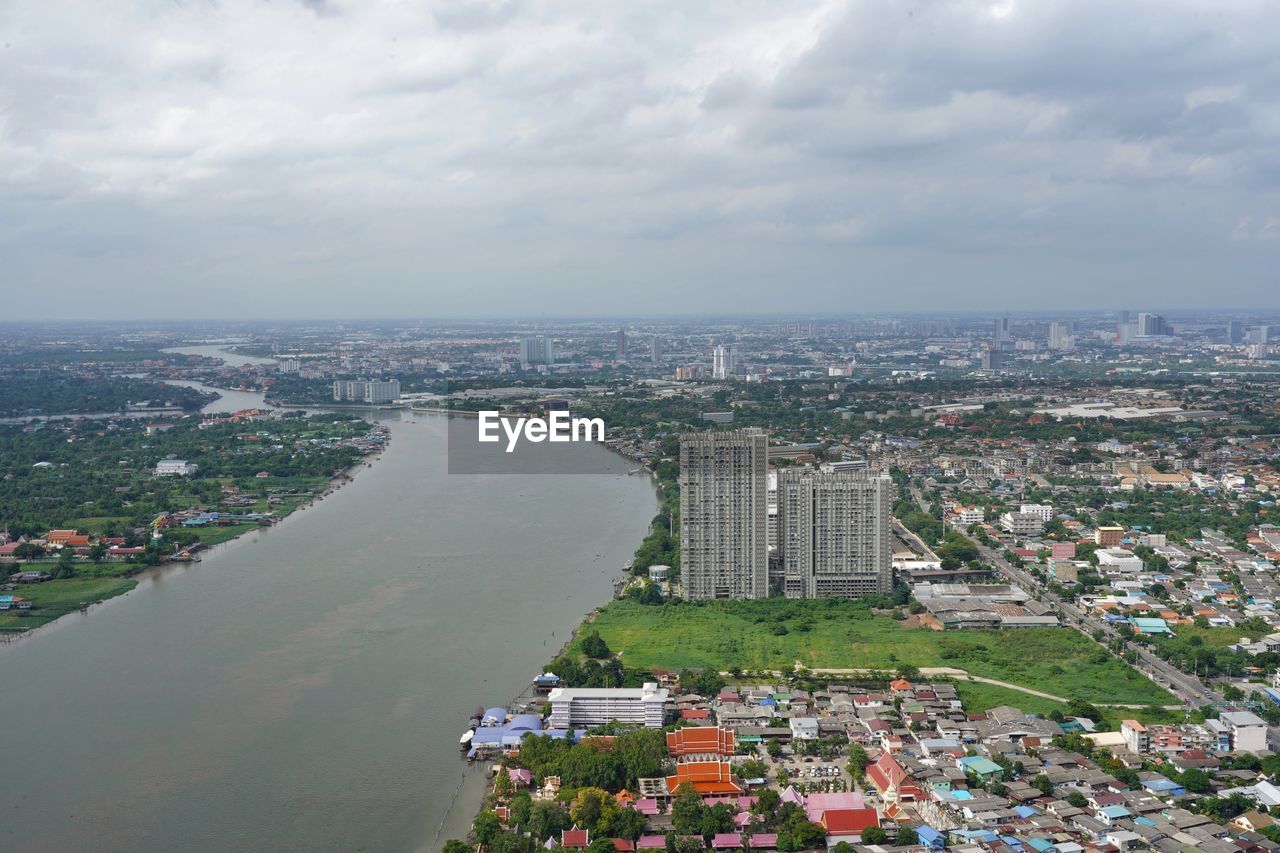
[(465, 739)]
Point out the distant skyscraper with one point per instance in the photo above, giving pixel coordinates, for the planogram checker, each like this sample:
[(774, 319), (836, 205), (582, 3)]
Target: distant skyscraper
[(724, 514), (1059, 336), (1235, 332), (655, 349), (992, 358), (622, 343), (537, 349), (722, 362), (833, 533), (1001, 333), (1151, 325)]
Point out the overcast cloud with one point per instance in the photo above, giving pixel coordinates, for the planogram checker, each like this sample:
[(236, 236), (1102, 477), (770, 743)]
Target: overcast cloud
[(362, 158)]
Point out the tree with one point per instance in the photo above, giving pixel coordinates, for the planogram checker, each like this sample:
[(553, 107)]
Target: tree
[(602, 845), (1196, 781), (766, 806), (65, 568), (1077, 799), (594, 646), (686, 811), (453, 845), (1042, 784), (592, 807), (906, 837), (486, 827), (858, 761), (874, 835)]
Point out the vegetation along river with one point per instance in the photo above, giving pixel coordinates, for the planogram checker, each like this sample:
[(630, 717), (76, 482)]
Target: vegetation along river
[(303, 687)]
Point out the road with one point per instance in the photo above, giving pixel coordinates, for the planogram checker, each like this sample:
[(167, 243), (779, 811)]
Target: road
[(1187, 688)]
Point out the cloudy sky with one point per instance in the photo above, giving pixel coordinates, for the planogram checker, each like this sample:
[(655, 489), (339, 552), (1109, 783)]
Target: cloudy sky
[(328, 158)]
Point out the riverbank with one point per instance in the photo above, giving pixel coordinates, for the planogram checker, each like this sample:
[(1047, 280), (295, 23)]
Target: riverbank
[(55, 599), (468, 799)]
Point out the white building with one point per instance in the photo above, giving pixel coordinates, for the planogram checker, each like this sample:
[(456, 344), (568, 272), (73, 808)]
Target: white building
[(1044, 512), (803, 728), (723, 361), (1248, 731), (373, 392), (1118, 560), (833, 533), (724, 516), (587, 707), (171, 467), (1136, 737), (970, 515), (1022, 524), (537, 349)]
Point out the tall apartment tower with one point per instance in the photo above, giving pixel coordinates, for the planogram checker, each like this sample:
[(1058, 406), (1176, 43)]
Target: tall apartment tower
[(655, 349), (833, 533), (1151, 325), (724, 514), (1000, 333), (622, 343), (722, 362), (1059, 336), (537, 349)]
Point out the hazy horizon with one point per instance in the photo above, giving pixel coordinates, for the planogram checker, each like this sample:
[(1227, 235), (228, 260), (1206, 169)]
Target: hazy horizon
[(333, 159)]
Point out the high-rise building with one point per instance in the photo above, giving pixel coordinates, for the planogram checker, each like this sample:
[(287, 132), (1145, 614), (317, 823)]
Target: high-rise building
[(723, 361), (1152, 325), (1059, 336), (1235, 332), (833, 533), (537, 349), (724, 514), (655, 349), (992, 358), (365, 391), (622, 343), (1001, 332)]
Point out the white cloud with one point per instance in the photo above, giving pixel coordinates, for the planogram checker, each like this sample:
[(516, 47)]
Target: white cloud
[(599, 157)]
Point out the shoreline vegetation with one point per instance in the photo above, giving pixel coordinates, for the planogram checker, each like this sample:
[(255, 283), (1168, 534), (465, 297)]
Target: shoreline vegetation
[(250, 502)]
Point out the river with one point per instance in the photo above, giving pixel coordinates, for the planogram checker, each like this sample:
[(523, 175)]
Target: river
[(303, 687), (230, 401)]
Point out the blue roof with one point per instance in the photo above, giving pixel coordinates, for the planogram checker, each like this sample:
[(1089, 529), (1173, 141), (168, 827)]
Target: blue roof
[(981, 766), (1024, 811), (1161, 785), (928, 834), (499, 714), (1115, 811), (1040, 844), (526, 723)]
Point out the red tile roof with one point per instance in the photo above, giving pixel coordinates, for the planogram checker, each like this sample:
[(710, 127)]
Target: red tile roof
[(848, 821)]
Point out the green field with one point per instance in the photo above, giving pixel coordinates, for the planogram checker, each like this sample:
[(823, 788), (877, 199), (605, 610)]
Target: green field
[(836, 634), (978, 697), (57, 598)]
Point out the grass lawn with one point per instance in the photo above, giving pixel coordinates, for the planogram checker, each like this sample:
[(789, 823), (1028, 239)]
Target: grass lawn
[(978, 697), (838, 634), (216, 535), (52, 599), (97, 524)]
